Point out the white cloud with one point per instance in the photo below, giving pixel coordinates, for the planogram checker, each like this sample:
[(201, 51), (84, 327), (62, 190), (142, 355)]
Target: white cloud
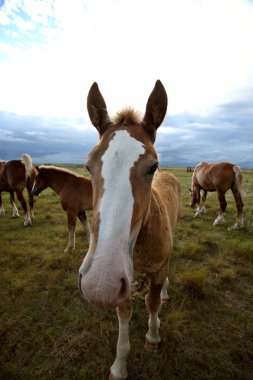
[(201, 50)]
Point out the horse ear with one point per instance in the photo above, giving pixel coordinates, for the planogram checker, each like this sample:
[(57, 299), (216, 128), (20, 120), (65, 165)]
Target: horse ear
[(155, 110), (97, 110)]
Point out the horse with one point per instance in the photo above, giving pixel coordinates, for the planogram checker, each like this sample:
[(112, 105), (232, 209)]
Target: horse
[(203, 196), (75, 194), (219, 177), (135, 210), (15, 175), (15, 212)]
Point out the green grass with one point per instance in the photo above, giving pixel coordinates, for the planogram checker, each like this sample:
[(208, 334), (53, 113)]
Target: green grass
[(47, 331)]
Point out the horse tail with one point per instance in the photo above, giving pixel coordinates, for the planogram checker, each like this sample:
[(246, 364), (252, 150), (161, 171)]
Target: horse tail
[(238, 178), (27, 162)]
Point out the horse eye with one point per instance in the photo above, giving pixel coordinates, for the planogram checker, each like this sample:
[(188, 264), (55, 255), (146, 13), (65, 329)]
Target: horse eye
[(153, 168)]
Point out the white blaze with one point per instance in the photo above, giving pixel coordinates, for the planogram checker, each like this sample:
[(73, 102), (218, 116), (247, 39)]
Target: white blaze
[(116, 206)]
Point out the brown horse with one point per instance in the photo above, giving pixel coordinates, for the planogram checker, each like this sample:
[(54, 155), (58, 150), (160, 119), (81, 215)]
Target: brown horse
[(218, 177), (75, 194), (135, 210), (15, 175), (15, 212)]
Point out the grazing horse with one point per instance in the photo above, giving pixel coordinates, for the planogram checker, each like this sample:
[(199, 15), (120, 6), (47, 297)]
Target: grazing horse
[(75, 194), (135, 210), (219, 177), (15, 175)]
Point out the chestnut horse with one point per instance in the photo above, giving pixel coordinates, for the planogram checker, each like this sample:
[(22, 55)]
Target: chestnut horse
[(15, 212), (219, 177), (135, 210), (15, 175), (75, 194)]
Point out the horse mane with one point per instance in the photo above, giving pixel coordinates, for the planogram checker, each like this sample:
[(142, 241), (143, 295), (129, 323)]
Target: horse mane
[(58, 169), (127, 116)]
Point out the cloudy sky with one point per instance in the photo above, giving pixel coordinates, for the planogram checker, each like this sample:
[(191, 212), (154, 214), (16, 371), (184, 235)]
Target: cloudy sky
[(51, 51)]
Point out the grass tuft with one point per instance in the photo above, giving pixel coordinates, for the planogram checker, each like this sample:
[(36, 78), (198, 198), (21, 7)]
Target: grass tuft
[(193, 281)]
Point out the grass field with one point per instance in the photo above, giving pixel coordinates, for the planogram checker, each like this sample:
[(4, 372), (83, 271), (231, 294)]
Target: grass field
[(47, 331)]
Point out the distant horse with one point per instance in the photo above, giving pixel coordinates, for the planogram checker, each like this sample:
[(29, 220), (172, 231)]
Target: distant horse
[(15, 175), (135, 211), (15, 212), (218, 177), (75, 194)]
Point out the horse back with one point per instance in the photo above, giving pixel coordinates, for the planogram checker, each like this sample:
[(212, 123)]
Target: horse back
[(12, 175), (216, 176)]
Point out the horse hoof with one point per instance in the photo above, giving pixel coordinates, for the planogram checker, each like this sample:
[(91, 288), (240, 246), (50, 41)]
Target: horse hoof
[(165, 301), (111, 377), (217, 223), (154, 347), (28, 223), (236, 226), (68, 250)]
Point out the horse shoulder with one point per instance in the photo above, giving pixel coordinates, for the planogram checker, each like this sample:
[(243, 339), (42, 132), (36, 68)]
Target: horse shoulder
[(154, 243)]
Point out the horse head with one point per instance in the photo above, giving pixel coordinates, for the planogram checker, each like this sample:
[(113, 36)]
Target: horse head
[(40, 183)]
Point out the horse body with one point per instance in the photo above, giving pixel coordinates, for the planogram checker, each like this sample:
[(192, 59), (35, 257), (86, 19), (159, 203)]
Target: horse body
[(15, 175), (158, 228), (134, 214), (219, 177), (75, 195)]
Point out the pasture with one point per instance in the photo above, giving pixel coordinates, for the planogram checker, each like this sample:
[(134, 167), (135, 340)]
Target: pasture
[(47, 331)]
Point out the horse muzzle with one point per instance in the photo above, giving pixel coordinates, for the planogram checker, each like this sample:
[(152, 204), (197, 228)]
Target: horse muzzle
[(104, 291), (35, 191)]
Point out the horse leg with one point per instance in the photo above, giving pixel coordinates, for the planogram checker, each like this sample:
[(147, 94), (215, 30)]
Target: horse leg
[(223, 204), (153, 304), (15, 212), (203, 210), (198, 211), (119, 369), (71, 227), (83, 219), (164, 292), (239, 206), (21, 199), (31, 202), (2, 210)]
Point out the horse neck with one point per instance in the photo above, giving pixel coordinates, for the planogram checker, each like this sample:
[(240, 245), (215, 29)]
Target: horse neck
[(56, 180)]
